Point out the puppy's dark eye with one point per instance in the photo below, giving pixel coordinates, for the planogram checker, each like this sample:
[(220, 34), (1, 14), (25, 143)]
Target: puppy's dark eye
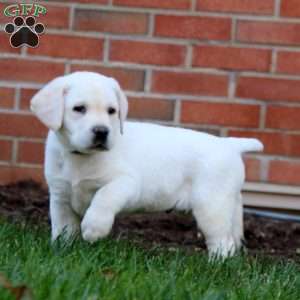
[(111, 110), (80, 109)]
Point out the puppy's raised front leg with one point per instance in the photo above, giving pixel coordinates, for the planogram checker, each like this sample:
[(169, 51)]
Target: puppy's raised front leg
[(107, 202), (64, 221)]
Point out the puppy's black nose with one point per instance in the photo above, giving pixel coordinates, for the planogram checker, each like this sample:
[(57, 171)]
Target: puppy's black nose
[(100, 133)]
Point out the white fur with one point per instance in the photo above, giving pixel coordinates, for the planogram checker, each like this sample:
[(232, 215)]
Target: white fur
[(150, 167)]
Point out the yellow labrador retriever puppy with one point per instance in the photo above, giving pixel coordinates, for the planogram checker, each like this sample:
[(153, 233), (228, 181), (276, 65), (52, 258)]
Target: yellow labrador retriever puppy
[(98, 165)]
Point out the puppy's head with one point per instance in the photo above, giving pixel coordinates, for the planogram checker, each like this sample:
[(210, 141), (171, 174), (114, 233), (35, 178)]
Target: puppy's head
[(86, 109)]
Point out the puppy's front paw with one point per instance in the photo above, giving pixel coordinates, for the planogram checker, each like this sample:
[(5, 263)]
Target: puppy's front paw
[(96, 226)]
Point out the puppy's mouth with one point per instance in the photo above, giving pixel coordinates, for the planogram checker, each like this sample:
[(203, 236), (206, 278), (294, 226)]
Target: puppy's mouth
[(99, 147)]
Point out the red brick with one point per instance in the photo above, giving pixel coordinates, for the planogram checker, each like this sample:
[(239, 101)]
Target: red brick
[(203, 28), (56, 17), (224, 114), (73, 47), (147, 53), (283, 117), (288, 62), (30, 152), (5, 46), (274, 142), (26, 95), (14, 174), (27, 70), (268, 32), (252, 169), (232, 58), (113, 22), (290, 8), (129, 79), (168, 4), (268, 89), (151, 108), (284, 172), (7, 97), (5, 150), (21, 125), (189, 83), (265, 7)]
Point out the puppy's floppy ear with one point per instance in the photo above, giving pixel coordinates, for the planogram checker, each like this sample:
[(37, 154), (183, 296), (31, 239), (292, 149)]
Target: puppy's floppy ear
[(123, 103), (48, 103)]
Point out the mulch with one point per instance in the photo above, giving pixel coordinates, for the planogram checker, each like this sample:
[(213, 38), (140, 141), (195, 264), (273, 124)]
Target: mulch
[(28, 202)]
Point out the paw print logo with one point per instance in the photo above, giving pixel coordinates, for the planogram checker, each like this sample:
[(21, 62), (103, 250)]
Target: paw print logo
[(24, 32)]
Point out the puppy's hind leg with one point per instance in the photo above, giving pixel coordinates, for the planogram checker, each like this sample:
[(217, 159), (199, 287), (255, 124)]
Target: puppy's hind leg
[(214, 219), (238, 222)]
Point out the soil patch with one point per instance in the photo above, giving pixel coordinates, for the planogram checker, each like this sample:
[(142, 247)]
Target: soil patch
[(28, 202)]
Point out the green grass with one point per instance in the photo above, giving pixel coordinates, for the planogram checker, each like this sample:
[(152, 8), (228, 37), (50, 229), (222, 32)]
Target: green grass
[(113, 269)]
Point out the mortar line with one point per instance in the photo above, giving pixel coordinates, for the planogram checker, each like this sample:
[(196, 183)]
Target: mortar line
[(189, 56), (14, 152), (177, 111), (148, 81), (262, 116), (151, 25), (232, 85), (277, 8), (193, 5), (106, 50), (17, 99), (233, 30), (72, 16), (264, 168), (274, 58), (67, 68)]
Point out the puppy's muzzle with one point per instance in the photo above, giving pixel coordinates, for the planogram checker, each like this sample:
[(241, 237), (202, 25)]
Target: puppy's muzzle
[(100, 135)]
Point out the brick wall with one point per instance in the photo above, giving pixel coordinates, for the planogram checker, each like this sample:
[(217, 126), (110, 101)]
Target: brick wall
[(229, 67)]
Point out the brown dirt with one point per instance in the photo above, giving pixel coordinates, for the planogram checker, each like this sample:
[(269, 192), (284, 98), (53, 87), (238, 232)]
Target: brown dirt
[(27, 201)]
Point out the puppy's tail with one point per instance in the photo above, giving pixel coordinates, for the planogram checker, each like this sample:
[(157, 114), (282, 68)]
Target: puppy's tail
[(245, 144)]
